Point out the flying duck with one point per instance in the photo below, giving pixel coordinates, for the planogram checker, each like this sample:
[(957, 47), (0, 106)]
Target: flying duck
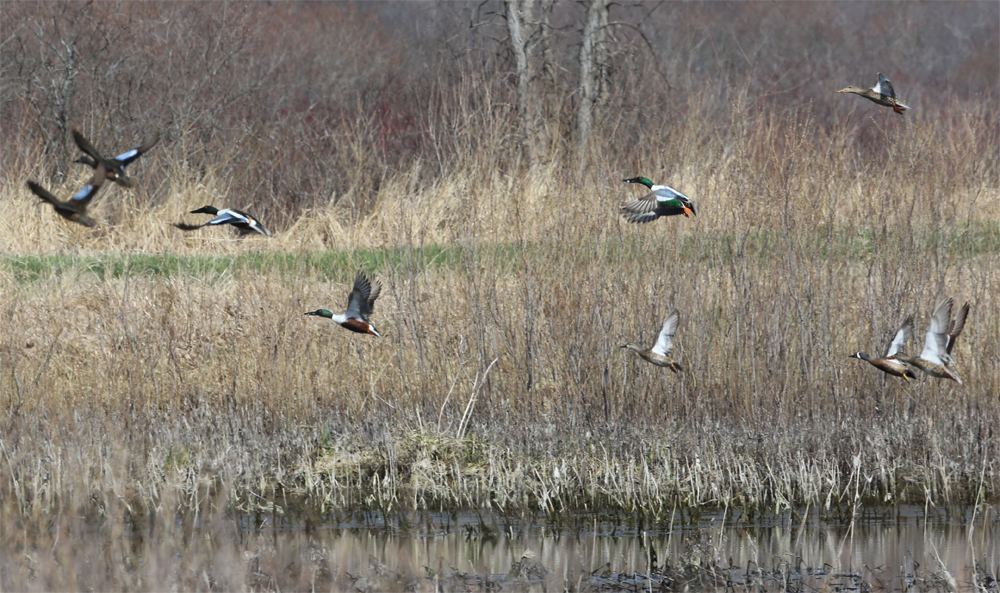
[(659, 354), (942, 333), (887, 364), (243, 222), (75, 208), (115, 166), (882, 93), (660, 201), (359, 306)]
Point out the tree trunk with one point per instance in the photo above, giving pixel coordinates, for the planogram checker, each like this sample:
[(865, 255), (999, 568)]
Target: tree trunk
[(592, 50), (518, 17)]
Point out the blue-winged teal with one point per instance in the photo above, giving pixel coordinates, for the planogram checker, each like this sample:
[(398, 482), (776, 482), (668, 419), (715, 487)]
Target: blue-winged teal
[(115, 166), (882, 93), (359, 307), (660, 201), (887, 364), (659, 354), (941, 336), (243, 222), (75, 208)]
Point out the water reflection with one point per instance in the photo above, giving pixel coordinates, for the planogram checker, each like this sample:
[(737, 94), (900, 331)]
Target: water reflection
[(898, 548)]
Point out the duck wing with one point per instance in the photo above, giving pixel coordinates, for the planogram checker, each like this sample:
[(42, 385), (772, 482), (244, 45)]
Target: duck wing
[(955, 329), (375, 291), (126, 158), (227, 216), (884, 87), (82, 198), (902, 335), (359, 301), (252, 224), (79, 202), (84, 145), (665, 341), (936, 339), (45, 195), (641, 210)]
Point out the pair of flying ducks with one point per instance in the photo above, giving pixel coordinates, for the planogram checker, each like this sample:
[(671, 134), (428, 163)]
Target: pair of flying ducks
[(942, 333), (75, 208)]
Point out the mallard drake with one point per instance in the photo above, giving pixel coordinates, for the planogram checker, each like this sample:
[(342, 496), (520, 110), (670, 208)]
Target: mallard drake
[(243, 222), (659, 354), (75, 208), (882, 93), (661, 201), (359, 306), (887, 364), (115, 166), (942, 333)]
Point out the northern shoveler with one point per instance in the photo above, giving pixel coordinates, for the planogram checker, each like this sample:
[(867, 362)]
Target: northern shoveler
[(75, 208), (359, 306), (887, 364), (115, 166), (661, 201), (659, 354), (939, 341), (882, 93), (243, 222)]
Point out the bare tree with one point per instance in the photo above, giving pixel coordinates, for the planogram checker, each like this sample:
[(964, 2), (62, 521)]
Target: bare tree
[(518, 16), (593, 51)]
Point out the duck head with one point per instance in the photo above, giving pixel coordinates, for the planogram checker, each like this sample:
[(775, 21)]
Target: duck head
[(642, 180), (321, 313), (859, 355), (206, 210)]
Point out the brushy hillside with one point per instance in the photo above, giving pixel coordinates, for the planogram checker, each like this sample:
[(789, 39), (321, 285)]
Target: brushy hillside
[(146, 372)]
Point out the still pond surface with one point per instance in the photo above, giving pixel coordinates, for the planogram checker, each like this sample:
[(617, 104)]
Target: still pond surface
[(901, 548)]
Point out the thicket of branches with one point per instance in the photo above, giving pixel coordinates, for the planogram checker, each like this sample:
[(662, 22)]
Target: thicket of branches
[(299, 105)]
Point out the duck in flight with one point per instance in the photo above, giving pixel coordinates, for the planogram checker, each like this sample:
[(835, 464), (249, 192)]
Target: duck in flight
[(75, 208), (659, 354), (360, 302), (882, 93), (243, 222), (942, 333), (887, 363), (660, 201), (116, 166)]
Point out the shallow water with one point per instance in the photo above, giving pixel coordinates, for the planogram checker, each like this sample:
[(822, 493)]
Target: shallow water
[(896, 548)]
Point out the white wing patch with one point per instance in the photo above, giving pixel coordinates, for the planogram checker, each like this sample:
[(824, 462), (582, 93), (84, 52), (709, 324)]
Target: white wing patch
[(227, 216), (665, 194), (665, 341)]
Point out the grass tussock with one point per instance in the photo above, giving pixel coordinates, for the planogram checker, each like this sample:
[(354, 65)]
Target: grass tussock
[(148, 374)]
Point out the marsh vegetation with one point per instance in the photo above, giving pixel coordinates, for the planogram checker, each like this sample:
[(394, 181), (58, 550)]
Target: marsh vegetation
[(167, 383)]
